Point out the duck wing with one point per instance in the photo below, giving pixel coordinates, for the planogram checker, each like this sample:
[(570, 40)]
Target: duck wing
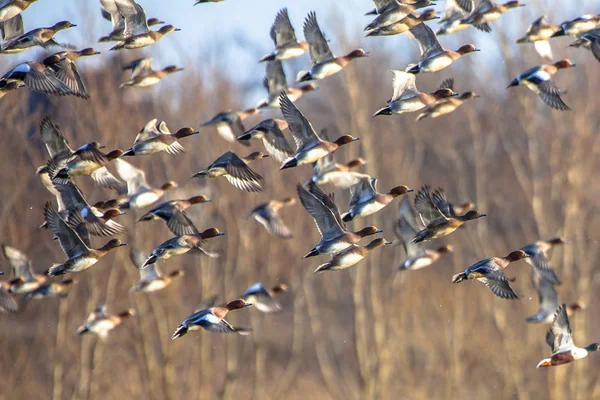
[(140, 67), (559, 335), (282, 32), (456, 9), (107, 180), (318, 48), (239, 174), (66, 71), (547, 296), (384, 5), (135, 177), (110, 6), (328, 224), (550, 95), (428, 42), (302, 130), (277, 145), (363, 191), (540, 263), (20, 264), (53, 138), (7, 303), (70, 242), (426, 208), (405, 229), (180, 224), (272, 222), (45, 82), (276, 82), (500, 288), (135, 18), (11, 28), (403, 85)]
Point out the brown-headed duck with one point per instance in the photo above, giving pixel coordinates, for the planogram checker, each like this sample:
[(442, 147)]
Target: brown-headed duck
[(396, 11), (151, 280), (182, 244), (366, 200), (79, 256), (85, 161), (560, 340), (341, 176), (270, 131), (167, 142), (324, 64), (539, 80), (139, 193), (331, 227), (446, 105), (212, 319), (24, 279), (143, 75), (310, 147), (578, 26), (283, 36), (101, 323), (62, 64), (276, 83), (403, 25), (42, 37), (433, 56), (236, 170), (539, 33), (267, 214), (590, 41), (350, 256), (407, 98), (229, 123), (439, 219), (490, 273), (36, 77), (488, 11), (111, 13), (174, 215), (548, 299), (51, 290), (264, 299)]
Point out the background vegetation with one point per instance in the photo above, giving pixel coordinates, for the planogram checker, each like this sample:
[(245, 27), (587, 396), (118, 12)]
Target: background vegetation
[(354, 334)]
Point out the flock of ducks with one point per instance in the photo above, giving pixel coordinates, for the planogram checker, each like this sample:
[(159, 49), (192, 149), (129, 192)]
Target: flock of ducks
[(429, 217)]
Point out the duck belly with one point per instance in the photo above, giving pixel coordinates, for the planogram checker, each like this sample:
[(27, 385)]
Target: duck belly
[(148, 81), (138, 42), (155, 285), (435, 64), (79, 264), (325, 69), (333, 246), (443, 109), (143, 199), (347, 260), (417, 263), (288, 53), (407, 106), (311, 155), (367, 208)]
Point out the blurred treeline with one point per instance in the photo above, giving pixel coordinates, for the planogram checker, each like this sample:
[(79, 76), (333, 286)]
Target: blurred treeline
[(355, 334)]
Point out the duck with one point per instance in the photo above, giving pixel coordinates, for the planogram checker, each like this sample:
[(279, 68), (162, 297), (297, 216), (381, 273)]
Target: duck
[(270, 131), (284, 37), (382, 6), (24, 279), (405, 229), (11, 8), (366, 200), (560, 340), (61, 152), (101, 323), (85, 161), (439, 217), (174, 215), (43, 37), (403, 25), (454, 14), (323, 210), (539, 33), (79, 256), (166, 142), (212, 319), (142, 74), (548, 299), (236, 170), (152, 129), (490, 273), (62, 64), (264, 299), (275, 83), (446, 105), (324, 64), (267, 214), (341, 176), (538, 257), (578, 26), (395, 12), (144, 39), (350, 256), (139, 193), (74, 209), (310, 146), (182, 244), (229, 123), (36, 77), (110, 11), (7, 301), (488, 11), (151, 280), (51, 290), (590, 41), (434, 57), (539, 80), (407, 98)]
